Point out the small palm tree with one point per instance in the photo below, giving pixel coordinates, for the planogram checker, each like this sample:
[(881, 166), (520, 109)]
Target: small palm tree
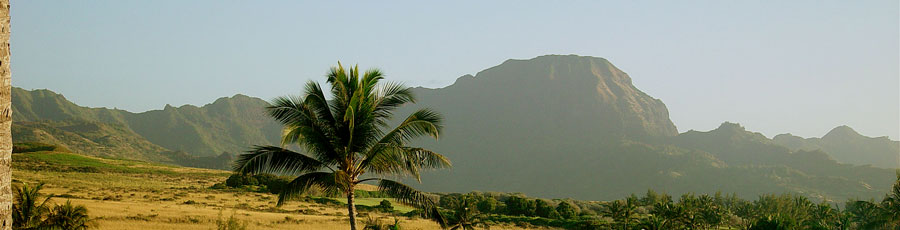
[(621, 212), (28, 208), (465, 217), (346, 137), (69, 217), (891, 204)]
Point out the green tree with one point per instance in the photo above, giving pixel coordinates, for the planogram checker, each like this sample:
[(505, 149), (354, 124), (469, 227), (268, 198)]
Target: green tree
[(520, 206), (29, 209), (543, 209), (565, 210), (347, 137), (488, 204), (385, 206)]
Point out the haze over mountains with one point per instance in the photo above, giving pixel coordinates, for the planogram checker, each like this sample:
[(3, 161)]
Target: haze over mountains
[(552, 126)]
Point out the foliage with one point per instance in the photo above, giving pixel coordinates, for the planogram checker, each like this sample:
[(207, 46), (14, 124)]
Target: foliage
[(27, 147), (385, 206), (347, 137), (372, 223), (566, 210), (464, 216), (69, 217), (257, 182), (30, 212), (28, 208), (656, 211)]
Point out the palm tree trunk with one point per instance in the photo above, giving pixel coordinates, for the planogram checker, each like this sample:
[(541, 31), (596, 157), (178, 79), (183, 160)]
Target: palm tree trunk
[(351, 208), (5, 121)]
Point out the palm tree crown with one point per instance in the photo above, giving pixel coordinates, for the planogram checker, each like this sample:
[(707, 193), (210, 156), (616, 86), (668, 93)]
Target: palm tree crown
[(347, 136), (29, 208)]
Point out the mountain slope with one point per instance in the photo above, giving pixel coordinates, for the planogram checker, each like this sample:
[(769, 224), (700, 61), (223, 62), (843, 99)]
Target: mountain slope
[(572, 126), (91, 138), (552, 126), (226, 125), (846, 145)]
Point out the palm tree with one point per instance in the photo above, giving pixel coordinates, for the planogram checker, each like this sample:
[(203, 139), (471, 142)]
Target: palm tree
[(891, 204), (619, 211), (68, 216), (5, 120), (465, 217), (29, 209), (654, 222), (346, 137)]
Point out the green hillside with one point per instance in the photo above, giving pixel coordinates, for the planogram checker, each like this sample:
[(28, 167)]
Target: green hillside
[(227, 125)]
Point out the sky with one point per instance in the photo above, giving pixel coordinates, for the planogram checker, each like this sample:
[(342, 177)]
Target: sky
[(800, 67)]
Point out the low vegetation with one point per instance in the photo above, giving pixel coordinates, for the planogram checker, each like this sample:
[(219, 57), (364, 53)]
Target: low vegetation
[(128, 195), (660, 211)]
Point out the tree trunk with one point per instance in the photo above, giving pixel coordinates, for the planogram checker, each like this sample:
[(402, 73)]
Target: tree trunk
[(5, 121), (351, 208)]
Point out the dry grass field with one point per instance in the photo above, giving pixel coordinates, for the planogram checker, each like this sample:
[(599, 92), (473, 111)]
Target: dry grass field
[(121, 194)]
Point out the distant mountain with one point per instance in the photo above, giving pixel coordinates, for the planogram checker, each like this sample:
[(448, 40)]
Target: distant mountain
[(573, 126), (554, 126), (846, 145), (227, 125), (810, 172)]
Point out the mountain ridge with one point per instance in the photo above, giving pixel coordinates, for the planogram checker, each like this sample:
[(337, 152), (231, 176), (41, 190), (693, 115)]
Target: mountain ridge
[(525, 126)]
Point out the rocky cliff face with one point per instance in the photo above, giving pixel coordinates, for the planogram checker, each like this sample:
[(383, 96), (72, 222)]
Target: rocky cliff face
[(555, 92)]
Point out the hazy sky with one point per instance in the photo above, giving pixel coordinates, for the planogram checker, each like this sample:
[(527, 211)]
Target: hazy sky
[(802, 67)]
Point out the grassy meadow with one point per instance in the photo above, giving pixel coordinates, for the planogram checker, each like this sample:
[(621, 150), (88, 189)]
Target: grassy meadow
[(124, 194)]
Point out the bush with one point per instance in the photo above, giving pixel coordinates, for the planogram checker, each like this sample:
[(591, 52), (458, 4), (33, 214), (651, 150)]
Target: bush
[(230, 224), (257, 183), (28, 147), (385, 206)]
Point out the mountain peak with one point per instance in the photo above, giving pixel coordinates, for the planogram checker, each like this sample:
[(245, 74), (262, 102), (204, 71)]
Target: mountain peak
[(842, 131), (584, 88), (731, 127)]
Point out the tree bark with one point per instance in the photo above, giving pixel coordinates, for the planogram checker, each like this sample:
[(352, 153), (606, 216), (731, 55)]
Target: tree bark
[(5, 121), (351, 209)]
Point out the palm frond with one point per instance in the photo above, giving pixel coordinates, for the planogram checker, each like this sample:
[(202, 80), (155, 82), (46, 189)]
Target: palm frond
[(410, 196), (399, 160), (276, 160), (391, 96), (327, 181)]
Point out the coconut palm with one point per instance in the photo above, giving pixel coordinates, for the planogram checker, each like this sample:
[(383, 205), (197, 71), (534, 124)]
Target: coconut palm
[(620, 212), (465, 217), (6, 142), (68, 217), (346, 138), (29, 208), (891, 204)]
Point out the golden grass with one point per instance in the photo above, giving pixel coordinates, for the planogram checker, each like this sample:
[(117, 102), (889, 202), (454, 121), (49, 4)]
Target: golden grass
[(139, 195), (183, 201)]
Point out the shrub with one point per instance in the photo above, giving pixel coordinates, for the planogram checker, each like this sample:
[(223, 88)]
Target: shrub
[(385, 206), (257, 183), (230, 224)]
